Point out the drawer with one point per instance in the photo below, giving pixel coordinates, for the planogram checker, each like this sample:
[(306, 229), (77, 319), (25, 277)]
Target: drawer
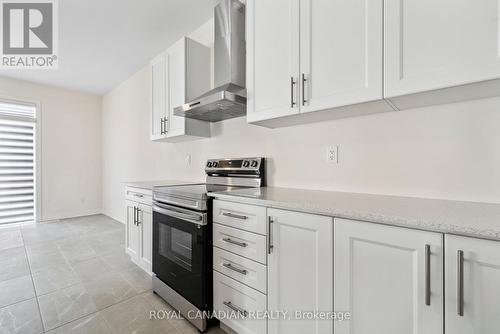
[(140, 195), (233, 298), (241, 269), (246, 217), (246, 244)]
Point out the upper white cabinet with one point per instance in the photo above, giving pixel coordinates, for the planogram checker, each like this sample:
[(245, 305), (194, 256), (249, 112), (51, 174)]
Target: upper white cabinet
[(159, 96), (431, 45), (340, 53), (472, 286), (305, 56), (389, 278), (272, 58), (179, 75), (314, 60), (300, 270)]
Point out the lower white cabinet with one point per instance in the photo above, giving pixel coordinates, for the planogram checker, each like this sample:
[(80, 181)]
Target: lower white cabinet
[(390, 279), (131, 230), (472, 286), (300, 270), (236, 301), (145, 221), (139, 228)]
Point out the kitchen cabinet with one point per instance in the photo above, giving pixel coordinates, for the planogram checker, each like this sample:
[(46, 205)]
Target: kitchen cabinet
[(139, 227), (239, 262), (294, 68), (145, 221), (159, 96), (300, 270), (389, 278), (472, 272), (131, 230), (434, 45), (179, 75)]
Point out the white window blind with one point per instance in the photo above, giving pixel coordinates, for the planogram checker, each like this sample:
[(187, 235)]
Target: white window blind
[(17, 163)]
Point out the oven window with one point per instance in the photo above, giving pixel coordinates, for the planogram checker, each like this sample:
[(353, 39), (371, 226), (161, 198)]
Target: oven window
[(176, 245)]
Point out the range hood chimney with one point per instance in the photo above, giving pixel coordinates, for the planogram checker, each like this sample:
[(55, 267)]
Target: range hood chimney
[(228, 99)]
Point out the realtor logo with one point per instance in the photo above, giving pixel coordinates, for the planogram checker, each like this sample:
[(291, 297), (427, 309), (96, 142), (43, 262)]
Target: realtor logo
[(29, 34)]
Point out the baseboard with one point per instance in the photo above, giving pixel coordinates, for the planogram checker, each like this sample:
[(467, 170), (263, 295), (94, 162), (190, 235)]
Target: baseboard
[(118, 219), (71, 214)]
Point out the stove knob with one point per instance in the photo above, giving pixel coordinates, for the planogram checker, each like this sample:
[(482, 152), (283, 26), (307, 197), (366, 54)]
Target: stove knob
[(254, 163), (246, 163), (214, 164), (209, 164)]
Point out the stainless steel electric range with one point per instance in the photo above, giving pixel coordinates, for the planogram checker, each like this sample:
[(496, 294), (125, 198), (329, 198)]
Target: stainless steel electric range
[(182, 235)]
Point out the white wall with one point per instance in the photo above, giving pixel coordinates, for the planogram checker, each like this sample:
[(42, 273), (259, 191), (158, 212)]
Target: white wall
[(449, 151), (70, 145)]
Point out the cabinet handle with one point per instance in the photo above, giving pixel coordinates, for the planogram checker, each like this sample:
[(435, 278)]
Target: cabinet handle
[(138, 220), (427, 275), (230, 266), (161, 125), (232, 215), (135, 215), (235, 308), (139, 195), (231, 241), (460, 283), (270, 222), (304, 79), (165, 125), (292, 90)]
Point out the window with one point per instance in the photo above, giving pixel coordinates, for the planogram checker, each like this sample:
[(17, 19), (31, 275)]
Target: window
[(17, 162)]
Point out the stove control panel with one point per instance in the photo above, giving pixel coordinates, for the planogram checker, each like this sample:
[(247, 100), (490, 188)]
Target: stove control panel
[(242, 165)]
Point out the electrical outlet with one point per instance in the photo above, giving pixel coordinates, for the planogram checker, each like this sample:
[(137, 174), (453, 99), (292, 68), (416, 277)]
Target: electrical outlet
[(188, 160), (332, 154)]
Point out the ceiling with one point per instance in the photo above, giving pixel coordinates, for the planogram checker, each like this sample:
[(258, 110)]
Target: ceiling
[(103, 42)]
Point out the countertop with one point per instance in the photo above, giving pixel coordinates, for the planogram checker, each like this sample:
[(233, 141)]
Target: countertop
[(151, 184), (480, 220)]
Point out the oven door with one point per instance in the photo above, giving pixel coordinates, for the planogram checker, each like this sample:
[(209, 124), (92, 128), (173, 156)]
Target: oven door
[(181, 247)]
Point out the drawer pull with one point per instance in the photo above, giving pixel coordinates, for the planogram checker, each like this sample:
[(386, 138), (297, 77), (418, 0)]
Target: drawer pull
[(233, 215), (235, 308), (230, 266), (237, 243), (460, 283), (270, 222), (428, 275), (139, 195)]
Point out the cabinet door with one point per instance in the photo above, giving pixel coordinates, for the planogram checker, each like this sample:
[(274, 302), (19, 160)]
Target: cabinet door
[(146, 237), (272, 58), (159, 91), (481, 288), (176, 83), (380, 278), (435, 44), (341, 48), (300, 270), (132, 231)]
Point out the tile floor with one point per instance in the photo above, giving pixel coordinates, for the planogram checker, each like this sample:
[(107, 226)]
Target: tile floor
[(73, 276)]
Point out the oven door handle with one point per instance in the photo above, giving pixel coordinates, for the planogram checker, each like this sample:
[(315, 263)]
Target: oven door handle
[(195, 218)]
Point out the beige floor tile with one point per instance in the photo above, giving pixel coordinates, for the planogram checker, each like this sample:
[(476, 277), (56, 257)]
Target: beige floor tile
[(66, 305), (13, 263), (21, 318), (55, 278), (92, 324), (16, 290)]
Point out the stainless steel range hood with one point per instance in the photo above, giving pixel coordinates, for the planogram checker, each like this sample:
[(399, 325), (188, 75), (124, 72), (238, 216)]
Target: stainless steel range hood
[(228, 99)]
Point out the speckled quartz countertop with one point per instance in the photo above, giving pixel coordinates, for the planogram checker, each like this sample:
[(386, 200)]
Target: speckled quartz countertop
[(151, 184), (480, 220)]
